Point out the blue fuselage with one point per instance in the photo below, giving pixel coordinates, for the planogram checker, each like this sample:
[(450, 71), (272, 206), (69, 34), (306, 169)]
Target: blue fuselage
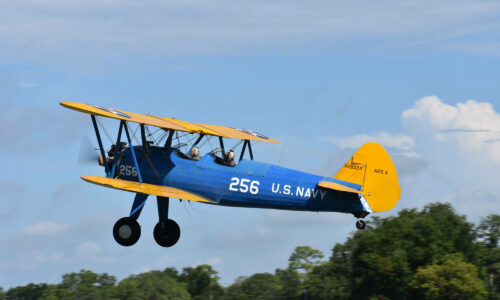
[(248, 184)]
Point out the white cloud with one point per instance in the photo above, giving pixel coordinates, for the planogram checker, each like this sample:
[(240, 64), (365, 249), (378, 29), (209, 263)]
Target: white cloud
[(472, 126), (35, 258), (397, 141), (26, 123), (32, 27), (214, 261), (88, 249), (46, 228)]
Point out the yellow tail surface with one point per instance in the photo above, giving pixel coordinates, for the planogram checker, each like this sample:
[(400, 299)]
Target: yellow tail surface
[(372, 168)]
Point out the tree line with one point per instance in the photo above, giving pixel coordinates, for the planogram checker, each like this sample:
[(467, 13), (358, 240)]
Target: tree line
[(432, 253)]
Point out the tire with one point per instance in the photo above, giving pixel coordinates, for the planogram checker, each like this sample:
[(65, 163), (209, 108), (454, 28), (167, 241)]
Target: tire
[(126, 231), (360, 224), (167, 233)]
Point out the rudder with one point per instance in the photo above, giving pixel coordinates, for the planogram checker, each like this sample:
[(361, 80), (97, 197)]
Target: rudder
[(372, 168)]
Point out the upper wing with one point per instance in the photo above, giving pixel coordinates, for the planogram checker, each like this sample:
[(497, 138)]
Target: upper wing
[(168, 123), (145, 188)]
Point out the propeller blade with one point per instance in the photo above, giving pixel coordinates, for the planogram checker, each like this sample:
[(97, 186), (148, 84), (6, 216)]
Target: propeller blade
[(87, 153)]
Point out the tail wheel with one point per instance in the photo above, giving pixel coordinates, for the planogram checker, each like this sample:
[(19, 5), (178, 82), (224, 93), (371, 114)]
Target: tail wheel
[(360, 224), (126, 231), (167, 233)]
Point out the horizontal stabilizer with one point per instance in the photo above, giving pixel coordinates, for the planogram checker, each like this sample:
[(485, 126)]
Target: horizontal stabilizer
[(338, 187), (145, 188)]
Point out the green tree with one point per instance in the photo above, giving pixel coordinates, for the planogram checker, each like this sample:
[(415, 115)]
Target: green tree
[(489, 230), (381, 260), (154, 285), (28, 292), (172, 272), (326, 281), (304, 258), (257, 286), (202, 282), (449, 278), (86, 285), (291, 284), (56, 292), (489, 234)]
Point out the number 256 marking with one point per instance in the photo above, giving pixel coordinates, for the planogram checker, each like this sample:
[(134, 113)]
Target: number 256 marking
[(241, 185), (128, 171)]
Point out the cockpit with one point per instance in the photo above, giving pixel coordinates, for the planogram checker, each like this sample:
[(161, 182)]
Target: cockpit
[(191, 146)]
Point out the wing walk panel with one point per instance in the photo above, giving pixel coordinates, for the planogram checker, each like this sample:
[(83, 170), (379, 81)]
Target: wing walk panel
[(168, 123), (145, 188)]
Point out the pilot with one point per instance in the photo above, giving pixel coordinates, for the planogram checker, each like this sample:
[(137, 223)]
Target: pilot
[(229, 158), (194, 154)]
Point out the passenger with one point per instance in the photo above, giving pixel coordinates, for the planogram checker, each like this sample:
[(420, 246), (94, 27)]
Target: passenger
[(194, 154), (229, 158)]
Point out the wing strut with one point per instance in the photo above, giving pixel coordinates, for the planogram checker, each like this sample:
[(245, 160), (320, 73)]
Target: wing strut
[(143, 137), (117, 148), (243, 149), (197, 142), (168, 142), (101, 148), (250, 150), (132, 150), (222, 146)]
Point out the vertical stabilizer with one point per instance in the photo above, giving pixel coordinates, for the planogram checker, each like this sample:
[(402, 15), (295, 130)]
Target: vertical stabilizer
[(372, 168)]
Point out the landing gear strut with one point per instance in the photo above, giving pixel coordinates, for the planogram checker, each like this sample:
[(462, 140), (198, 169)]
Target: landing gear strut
[(166, 232), (127, 230), (360, 224)]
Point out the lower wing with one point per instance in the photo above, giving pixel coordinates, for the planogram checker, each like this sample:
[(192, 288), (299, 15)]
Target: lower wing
[(145, 188)]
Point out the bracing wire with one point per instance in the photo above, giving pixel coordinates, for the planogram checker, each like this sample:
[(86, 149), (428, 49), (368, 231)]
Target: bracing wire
[(150, 135), (134, 137), (205, 141), (236, 145), (163, 137), (105, 131)]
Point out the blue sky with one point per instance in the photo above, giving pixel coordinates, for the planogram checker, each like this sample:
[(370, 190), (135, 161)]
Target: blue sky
[(421, 78)]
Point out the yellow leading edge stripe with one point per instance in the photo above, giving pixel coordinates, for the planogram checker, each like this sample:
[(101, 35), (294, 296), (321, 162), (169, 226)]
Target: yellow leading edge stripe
[(145, 188)]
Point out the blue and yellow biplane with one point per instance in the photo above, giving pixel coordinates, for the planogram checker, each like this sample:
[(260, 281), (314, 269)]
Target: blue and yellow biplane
[(166, 168)]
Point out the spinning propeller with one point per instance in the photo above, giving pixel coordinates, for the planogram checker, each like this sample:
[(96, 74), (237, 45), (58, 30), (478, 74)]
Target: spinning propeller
[(88, 152)]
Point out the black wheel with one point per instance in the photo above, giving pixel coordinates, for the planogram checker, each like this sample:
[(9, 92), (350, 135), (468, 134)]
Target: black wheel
[(126, 231), (360, 224), (167, 233)]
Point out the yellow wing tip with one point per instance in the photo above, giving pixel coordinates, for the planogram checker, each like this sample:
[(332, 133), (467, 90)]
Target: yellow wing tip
[(66, 104)]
